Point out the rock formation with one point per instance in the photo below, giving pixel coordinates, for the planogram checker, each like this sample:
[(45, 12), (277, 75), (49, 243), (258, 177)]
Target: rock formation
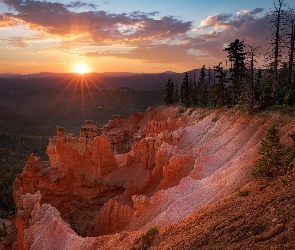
[(156, 168)]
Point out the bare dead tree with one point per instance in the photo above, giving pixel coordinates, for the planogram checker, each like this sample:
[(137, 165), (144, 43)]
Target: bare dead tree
[(291, 53), (251, 86), (276, 37)]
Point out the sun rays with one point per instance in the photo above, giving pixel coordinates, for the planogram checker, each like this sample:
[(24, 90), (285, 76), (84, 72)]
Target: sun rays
[(83, 86)]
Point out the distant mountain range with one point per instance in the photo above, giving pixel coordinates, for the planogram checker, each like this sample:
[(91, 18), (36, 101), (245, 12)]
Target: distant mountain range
[(105, 81), (58, 75)]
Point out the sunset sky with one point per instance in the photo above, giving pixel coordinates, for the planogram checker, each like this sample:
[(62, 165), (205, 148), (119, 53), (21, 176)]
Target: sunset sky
[(126, 35)]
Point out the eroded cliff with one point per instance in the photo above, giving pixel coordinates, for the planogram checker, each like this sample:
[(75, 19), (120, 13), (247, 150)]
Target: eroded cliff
[(156, 168)]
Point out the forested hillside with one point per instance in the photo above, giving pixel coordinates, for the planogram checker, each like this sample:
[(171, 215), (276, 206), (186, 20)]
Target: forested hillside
[(20, 136)]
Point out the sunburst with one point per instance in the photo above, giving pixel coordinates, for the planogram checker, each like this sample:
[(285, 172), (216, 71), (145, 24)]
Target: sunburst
[(82, 84), (81, 68)]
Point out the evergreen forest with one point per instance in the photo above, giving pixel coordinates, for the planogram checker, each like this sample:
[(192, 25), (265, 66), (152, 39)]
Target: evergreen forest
[(252, 80)]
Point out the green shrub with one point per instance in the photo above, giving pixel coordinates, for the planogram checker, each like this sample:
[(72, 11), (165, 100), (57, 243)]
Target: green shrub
[(201, 117), (147, 237), (180, 111), (243, 193)]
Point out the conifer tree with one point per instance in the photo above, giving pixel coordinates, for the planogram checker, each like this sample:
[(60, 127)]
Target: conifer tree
[(257, 85), (251, 85), (269, 163), (176, 93), (210, 89), (202, 94), (169, 92), (185, 91), (266, 98), (219, 97), (193, 91), (283, 90), (237, 57)]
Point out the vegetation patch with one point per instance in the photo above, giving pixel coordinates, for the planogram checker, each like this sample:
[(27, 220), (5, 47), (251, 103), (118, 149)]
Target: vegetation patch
[(275, 160), (180, 111), (147, 238), (243, 193), (201, 117)]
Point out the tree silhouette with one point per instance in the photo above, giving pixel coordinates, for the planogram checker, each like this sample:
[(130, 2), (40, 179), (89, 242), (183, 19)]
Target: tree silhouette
[(185, 91), (169, 92), (219, 97), (276, 38), (202, 88), (237, 57)]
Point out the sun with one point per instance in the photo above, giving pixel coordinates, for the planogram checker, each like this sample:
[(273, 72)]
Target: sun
[(81, 68)]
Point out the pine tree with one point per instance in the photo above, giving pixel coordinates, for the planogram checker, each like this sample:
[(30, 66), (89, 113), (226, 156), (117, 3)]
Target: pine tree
[(290, 97), (185, 91), (251, 85), (210, 102), (237, 57), (193, 91), (269, 163), (219, 95), (202, 88), (266, 98), (169, 92), (176, 93), (257, 85), (283, 90)]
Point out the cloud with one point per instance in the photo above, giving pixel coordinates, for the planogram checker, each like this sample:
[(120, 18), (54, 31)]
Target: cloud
[(215, 21), (148, 37), (19, 42), (230, 21), (244, 25), (58, 19), (6, 21), (158, 53), (256, 11), (79, 4)]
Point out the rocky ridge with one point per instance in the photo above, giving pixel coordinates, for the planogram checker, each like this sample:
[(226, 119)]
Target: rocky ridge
[(177, 165)]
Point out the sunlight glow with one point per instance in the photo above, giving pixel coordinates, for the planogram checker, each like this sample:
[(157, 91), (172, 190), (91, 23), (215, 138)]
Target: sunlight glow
[(81, 68)]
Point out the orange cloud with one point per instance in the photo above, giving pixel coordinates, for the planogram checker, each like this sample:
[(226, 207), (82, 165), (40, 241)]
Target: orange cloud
[(140, 36)]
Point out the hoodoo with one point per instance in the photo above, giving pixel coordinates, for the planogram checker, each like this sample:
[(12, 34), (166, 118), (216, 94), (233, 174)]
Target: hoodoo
[(157, 168)]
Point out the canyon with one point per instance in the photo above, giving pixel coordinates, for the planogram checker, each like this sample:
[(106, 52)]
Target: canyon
[(166, 167)]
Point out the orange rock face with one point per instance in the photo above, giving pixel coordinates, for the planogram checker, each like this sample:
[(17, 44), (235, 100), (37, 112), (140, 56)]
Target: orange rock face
[(153, 169), (119, 216), (73, 179), (25, 207)]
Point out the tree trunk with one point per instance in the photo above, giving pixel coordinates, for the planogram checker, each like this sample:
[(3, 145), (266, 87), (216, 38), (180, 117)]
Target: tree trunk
[(276, 49), (291, 56), (251, 94)]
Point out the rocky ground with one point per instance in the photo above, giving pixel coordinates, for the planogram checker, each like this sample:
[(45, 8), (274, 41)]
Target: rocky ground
[(264, 219)]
